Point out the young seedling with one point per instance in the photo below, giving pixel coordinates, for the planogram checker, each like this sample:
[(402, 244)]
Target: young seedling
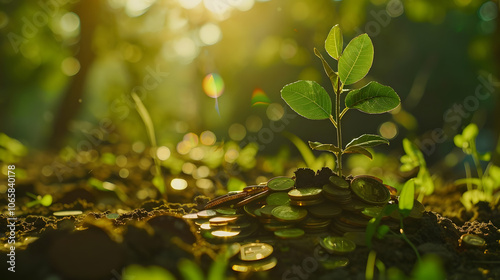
[(45, 200), (487, 181), (311, 100), (412, 159)]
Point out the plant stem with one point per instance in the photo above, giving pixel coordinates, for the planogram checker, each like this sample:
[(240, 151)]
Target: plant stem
[(339, 127), (408, 240), (475, 156)]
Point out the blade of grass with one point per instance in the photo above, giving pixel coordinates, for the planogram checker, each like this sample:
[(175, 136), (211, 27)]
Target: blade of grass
[(148, 123)]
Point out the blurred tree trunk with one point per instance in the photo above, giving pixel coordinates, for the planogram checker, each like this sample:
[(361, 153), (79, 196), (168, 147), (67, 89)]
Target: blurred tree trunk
[(496, 117), (88, 11)]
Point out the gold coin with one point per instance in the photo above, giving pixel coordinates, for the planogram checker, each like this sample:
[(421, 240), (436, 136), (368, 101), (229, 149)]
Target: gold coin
[(255, 251)]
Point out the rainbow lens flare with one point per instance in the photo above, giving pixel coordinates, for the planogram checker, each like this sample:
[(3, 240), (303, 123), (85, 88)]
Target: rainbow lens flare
[(213, 85)]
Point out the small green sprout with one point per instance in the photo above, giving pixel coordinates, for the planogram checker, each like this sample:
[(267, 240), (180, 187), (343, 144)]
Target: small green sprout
[(486, 181), (413, 159), (45, 200), (311, 100)]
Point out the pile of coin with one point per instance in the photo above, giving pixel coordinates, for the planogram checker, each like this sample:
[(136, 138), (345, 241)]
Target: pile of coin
[(288, 208)]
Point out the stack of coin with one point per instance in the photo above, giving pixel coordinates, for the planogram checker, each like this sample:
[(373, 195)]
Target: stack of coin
[(223, 224), (306, 196), (325, 203)]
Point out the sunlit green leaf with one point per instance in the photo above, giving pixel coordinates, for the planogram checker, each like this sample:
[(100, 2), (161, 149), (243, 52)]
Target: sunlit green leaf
[(356, 60), (368, 140), (460, 141), (471, 197), (328, 70), (415, 156), (334, 42), (190, 270), (308, 99), (494, 173), (407, 197), (358, 150), (373, 98), (470, 132), (217, 269), (324, 147), (46, 200)]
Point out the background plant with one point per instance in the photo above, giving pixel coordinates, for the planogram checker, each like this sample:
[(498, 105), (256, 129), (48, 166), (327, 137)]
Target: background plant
[(413, 159), (311, 100), (486, 182)]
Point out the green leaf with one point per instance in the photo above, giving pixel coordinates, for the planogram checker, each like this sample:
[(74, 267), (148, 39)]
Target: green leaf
[(358, 150), (356, 60), (470, 132), (460, 141), (373, 98), (328, 70), (334, 42), (368, 140), (190, 270), (407, 197), (46, 200), (308, 99), (217, 269), (414, 153), (324, 147)]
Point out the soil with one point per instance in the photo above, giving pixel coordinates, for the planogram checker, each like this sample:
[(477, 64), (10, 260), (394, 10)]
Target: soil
[(97, 245)]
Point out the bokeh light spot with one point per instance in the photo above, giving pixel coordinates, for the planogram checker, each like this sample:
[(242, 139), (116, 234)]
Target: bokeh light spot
[(244, 5), (210, 34), (213, 85), (121, 161), (237, 132), (204, 183), (253, 123), (135, 8), (275, 111), (189, 4), (488, 11), (188, 168), (208, 138), (388, 130), (70, 22), (70, 66), (186, 48), (123, 173), (202, 172), (163, 153), (138, 147), (197, 153), (178, 184)]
